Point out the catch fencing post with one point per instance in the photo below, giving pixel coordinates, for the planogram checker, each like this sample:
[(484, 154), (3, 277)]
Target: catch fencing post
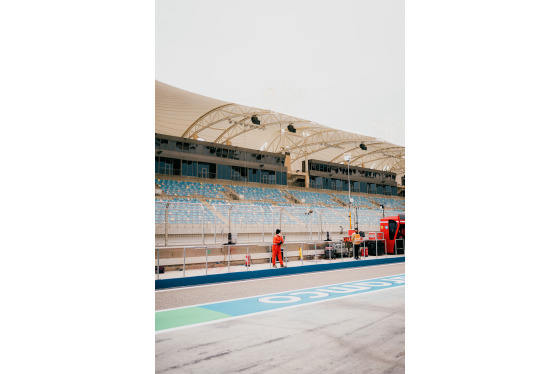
[(202, 206), (315, 253), (184, 258), (166, 222)]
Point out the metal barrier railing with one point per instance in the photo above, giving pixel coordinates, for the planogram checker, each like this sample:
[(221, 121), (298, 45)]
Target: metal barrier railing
[(158, 269), (230, 255)]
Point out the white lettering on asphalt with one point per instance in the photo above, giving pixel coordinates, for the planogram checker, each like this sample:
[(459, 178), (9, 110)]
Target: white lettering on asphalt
[(318, 294), (325, 292), (271, 299), (344, 289), (374, 284)]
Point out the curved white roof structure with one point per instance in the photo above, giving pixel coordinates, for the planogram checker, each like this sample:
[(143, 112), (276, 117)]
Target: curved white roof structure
[(185, 114)]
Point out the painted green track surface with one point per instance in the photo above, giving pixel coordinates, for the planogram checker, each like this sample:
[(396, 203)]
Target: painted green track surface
[(186, 316)]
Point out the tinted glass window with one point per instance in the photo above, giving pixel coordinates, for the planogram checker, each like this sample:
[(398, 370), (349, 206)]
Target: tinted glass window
[(158, 142), (392, 229)]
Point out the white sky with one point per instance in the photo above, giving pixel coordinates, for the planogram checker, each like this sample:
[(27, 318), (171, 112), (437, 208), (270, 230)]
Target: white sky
[(338, 63)]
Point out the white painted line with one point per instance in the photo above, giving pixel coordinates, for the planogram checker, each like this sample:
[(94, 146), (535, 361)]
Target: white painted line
[(271, 310), (275, 293), (277, 277)]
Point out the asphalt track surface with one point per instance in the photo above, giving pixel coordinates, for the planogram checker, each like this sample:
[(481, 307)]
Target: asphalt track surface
[(359, 333)]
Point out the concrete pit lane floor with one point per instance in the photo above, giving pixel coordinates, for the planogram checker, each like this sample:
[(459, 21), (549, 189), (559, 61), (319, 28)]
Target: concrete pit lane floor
[(355, 333)]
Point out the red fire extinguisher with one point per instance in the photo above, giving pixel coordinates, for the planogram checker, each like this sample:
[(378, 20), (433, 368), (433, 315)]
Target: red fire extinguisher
[(247, 260), (365, 249)]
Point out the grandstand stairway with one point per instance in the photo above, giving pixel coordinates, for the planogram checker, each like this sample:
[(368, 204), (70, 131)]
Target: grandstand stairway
[(291, 198), (338, 201), (230, 193), (211, 208), (161, 194), (293, 177)]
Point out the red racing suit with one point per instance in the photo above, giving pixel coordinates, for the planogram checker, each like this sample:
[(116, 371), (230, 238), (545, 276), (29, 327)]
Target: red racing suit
[(276, 250)]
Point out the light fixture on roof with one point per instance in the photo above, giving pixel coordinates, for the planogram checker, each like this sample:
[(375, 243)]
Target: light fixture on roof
[(363, 146), (291, 128), (255, 120)]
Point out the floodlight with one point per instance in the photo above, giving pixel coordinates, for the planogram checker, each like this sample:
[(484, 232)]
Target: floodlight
[(255, 120)]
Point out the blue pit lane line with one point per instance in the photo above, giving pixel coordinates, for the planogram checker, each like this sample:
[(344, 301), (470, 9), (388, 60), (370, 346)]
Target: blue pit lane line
[(176, 318)]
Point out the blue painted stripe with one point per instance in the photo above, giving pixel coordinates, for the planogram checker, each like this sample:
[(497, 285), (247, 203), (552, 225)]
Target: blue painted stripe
[(180, 317), (310, 295), (255, 274)]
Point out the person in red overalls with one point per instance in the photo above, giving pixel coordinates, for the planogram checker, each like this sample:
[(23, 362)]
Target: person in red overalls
[(276, 250)]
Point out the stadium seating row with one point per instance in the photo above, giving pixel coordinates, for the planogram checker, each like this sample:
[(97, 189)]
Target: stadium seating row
[(390, 203), (254, 211), (358, 201), (182, 188), (259, 194), (312, 197)]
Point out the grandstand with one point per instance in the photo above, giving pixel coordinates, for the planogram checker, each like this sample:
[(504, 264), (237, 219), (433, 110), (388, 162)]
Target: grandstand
[(259, 194), (182, 188), (312, 197), (226, 168)]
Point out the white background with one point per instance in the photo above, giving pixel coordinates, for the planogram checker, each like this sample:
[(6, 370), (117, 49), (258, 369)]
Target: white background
[(482, 100)]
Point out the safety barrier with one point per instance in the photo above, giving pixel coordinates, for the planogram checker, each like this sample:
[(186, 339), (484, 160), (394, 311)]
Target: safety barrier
[(237, 276), (189, 261)]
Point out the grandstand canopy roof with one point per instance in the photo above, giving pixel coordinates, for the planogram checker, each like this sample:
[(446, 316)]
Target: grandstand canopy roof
[(185, 114)]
